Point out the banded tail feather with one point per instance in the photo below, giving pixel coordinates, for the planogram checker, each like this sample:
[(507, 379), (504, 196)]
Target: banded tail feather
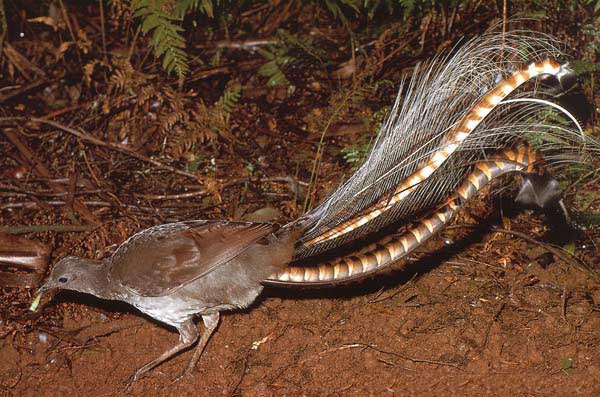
[(379, 255)]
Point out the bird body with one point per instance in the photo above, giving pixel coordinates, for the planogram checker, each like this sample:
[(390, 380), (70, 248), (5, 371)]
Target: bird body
[(180, 292), (176, 271)]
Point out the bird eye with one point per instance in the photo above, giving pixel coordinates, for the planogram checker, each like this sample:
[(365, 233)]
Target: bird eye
[(62, 280)]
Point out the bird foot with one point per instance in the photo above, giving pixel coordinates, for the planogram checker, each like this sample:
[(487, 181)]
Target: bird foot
[(185, 374), (134, 378)]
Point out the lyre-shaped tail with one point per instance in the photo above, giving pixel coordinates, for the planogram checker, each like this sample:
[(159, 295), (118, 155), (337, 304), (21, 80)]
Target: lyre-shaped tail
[(379, 255), (450, 116), (450, 144)]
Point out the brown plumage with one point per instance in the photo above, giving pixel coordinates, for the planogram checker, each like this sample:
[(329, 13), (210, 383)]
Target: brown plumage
[(176, 271)]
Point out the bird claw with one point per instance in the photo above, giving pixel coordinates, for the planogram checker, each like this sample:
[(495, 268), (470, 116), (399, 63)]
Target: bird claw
[(184, 374), (132, 379)]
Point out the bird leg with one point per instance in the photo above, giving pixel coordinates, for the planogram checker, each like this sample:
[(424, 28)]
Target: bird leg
[(188, 334), (210, 324)]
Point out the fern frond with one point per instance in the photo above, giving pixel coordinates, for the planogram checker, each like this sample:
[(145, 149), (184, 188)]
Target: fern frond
[(582, 67), (204, 6), (230, 98), (166, 40), (273, 69), (335, 8)]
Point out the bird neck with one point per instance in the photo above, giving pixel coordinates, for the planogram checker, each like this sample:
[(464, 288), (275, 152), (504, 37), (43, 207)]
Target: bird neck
[(96, 281)]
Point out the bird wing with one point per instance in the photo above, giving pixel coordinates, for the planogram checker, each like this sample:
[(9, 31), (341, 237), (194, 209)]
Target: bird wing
[(159, 260)]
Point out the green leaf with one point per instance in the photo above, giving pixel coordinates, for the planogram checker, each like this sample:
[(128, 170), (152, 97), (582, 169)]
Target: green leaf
[(570, 247), (166, 39), (566, 364)]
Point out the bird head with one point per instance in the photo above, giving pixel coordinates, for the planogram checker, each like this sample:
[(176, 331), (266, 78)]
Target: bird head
[(70, 273)]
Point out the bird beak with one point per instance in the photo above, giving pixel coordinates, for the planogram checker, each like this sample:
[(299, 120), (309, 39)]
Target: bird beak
[(38, 297), (36, 302)]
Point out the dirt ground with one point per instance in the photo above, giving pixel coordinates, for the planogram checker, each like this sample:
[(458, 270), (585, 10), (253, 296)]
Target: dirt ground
[(504, 302), (482, 319)]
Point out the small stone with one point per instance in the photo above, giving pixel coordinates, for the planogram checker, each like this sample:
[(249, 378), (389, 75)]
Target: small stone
[(43, 337)]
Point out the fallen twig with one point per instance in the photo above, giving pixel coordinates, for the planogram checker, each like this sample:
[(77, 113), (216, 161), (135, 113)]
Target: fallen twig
[(23, 89), (45, 228), (294, 186), (114, 146), (41, 170), (559, 252), (488, 329), (401, 289), (402, 356), (564, 299)]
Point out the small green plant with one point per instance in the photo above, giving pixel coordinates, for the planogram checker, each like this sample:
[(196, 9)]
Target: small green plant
[(355, 154), (162, 19), (583, 67), (182, 7), (335, 8), (273, 69), (229, 100), (566, 364), (595, 3), (591, 30)]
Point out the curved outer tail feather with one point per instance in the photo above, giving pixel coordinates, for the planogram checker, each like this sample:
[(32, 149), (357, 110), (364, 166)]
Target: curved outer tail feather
[(450, 144), (379, 255), (451, 116)]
